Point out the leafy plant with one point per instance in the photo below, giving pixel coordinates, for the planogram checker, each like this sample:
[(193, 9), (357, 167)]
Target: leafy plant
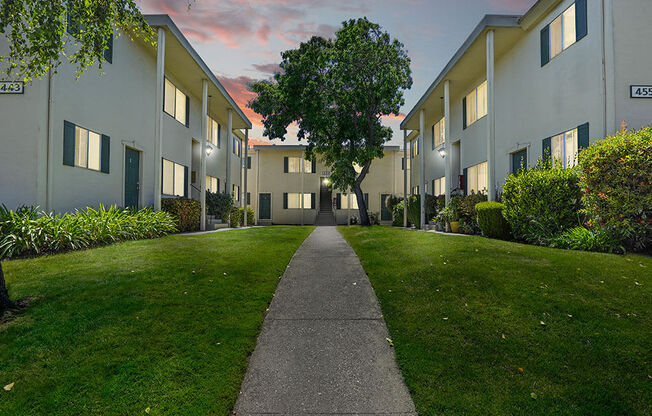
[(186, 211), (237, 216), (219, 204), (542, 202), (374, 218), (491, 220), (581, 238), (616, 177), (397, 214)]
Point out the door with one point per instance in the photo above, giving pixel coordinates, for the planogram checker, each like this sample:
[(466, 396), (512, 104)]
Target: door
[(132, 178), (385, 215), (519, 161), (265, 206)]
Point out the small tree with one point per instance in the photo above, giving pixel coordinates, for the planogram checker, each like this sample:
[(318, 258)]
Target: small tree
[(337, 91)]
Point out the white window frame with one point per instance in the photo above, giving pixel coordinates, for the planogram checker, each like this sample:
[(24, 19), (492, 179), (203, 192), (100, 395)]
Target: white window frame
[(175, 191), (479, 111), (212, 184), (348, 201), (175, 111), (563, 28), (236, 192), (564, 140), (237, 146), (473, 178), (304, 164), (213, 132), (439, 133), (87, 153), (440, 186), (295, 198)]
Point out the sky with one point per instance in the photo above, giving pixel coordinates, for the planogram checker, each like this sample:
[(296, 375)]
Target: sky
[(241, 40)]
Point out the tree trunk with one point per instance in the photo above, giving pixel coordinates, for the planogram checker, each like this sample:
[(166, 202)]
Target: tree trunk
[(362, 205), (5, 302)]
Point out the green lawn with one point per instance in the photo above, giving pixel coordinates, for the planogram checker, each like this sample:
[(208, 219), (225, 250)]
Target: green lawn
[(485, 327), (163, 324)]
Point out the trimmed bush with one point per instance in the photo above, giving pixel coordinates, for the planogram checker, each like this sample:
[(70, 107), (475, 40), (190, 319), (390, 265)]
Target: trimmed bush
[(26, 232), (542, 202), (616, 176), (491, 220), (186, 211), (251, 216), (219, 204)]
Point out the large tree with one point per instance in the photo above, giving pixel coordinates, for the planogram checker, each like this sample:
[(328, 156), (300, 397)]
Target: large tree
[(337, 91), (38, 32)]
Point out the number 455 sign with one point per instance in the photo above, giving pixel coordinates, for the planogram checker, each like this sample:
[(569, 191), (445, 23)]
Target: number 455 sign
[(641, 91), (16, 87)]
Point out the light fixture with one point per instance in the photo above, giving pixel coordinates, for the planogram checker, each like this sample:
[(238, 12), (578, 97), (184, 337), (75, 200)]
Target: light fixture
[(326, 181), (209, 150), (442, 152)]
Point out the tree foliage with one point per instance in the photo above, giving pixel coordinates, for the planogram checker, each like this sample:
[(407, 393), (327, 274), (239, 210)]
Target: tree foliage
[(38, 33), (336, 92)]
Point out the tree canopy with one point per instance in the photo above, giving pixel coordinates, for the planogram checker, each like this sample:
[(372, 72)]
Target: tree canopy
[(337, 91), (38, 32)]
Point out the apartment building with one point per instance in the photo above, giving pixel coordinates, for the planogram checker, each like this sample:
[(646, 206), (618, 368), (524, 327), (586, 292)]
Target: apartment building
[(155, 124), (285, 188), (549, 82)]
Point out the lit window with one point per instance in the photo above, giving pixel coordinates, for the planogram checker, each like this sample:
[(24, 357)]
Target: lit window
[(414, 148), (175, 102), (174, 178), (294, 200), (212, 184), (476, 104), (349, 201), (294, 165), (236, 193), (439, 133), (213, 132), (88, 149), (563, 31), (477, 178), (439, 186), (564, 148), (237, 146)]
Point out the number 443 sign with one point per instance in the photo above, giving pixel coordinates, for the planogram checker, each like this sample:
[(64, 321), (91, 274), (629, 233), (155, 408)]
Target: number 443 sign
[(641, 91), (16, 87)]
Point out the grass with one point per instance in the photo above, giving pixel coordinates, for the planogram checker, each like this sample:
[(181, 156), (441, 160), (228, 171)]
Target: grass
[(162, 324), (486, 327)]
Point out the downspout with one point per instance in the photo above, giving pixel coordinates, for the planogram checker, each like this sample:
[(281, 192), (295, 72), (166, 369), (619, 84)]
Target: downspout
[(49, 147)]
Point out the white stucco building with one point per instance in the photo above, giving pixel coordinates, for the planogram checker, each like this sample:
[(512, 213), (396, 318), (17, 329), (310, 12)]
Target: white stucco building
[(564, 74), (157, 123)]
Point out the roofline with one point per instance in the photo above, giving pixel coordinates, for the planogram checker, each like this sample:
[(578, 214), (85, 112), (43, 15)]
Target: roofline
[(489, 20), (164, 20), (536, 12), (301, 147)]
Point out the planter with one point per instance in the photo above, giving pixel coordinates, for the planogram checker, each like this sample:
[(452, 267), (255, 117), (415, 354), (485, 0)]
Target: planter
[(455, 226)]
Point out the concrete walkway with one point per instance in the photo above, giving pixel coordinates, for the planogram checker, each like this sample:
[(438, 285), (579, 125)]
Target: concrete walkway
[(323, 348)]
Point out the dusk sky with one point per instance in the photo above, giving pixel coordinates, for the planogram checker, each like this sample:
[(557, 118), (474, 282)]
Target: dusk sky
[(241, 40)]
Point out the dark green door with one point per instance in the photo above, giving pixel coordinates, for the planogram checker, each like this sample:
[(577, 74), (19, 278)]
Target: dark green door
[(265, 206), (132, 178), (519, 161), (385, 215)]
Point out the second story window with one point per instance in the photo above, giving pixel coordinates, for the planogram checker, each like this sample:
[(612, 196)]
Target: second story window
[(176, 103), (237, 146), (414, 148), (564, 31), (293, 165), (213, 132), (439, 133), (475, 104)]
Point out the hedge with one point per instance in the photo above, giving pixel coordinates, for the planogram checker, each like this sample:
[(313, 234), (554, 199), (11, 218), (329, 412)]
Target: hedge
[(186, 211), (491, 220)]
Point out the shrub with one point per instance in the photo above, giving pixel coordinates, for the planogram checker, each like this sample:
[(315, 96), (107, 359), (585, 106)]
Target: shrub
[(374, 218), (616, 176), (414, 210), (24, 232), (251, 216), (397, 215), (542, 202), (491, 220), (187, 212), (219, 204), (236, 217), (392, 201), (581, 238)]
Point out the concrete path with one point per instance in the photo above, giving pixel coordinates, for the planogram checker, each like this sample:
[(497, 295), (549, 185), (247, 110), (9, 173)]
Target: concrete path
[(323, 348)]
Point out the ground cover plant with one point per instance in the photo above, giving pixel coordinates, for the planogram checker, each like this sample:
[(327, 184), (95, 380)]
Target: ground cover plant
[(484, 326), (153, 327)]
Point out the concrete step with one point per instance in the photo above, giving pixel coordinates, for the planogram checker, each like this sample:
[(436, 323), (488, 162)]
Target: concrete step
[(325, 218), (216, 226)]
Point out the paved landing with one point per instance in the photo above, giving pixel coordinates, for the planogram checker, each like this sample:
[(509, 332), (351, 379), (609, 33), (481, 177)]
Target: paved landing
[(323, 348)]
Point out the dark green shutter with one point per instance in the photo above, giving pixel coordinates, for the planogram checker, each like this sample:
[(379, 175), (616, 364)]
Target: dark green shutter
[(314, 166), (433, 137), (285, 200), (546, 151), (248, 198), (185, 182), (312, 200), (338, 204), (545, 45), (466, 181), (581, 22), (105, 153), (68, 143), (582, 136), (219, 136), (402, 163), (187, 111), (433, 187), (218, 186), (464, 125), (108, 52), (285, 164), (248, 162)]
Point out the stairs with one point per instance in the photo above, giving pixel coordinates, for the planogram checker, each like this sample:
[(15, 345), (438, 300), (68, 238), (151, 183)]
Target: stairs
[(325, 216), (213, 223)]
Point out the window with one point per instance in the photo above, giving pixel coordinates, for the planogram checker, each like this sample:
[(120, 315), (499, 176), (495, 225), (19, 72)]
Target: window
[(564, 31), (294, 165), (176, 103), (237, 146), (87, 149), (294, 200), (439, 186), (213, 132), (414, 148), (439, 133), (477, 178), (236, 192), (564, 148), (475, 104), (174, 178), (212, 184), (248, 162), (415, 190), (349, 201), (248, 198)]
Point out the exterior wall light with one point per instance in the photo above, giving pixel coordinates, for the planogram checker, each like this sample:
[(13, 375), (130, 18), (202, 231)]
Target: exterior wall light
[(209, 150), (442, 152)]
